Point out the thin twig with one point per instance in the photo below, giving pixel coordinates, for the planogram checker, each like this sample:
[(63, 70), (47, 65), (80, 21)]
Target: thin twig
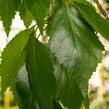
[(40, 33), (102, 10), (38, 36), (36, 29)]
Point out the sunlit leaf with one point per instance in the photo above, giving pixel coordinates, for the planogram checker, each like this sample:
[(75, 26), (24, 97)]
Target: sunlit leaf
[(13, 57), (8, 9), (92, 17)]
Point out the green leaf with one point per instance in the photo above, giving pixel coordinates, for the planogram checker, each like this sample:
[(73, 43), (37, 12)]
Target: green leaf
[(86, 102), (29, 3), (92, 17), (58, 4), (25, 15), (13, 57), (39, 9), (68, 91), (77, 49), (40, 70), (26, 99), (7, 12)]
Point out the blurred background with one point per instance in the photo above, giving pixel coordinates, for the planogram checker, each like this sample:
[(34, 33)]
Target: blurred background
[(98, 84)]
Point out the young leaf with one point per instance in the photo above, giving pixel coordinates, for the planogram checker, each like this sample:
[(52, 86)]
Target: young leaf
[(7, 11), (40, 70), (26, 99), (77, 48), (38, 9), (92, 17), (12, 58), (25, 15)]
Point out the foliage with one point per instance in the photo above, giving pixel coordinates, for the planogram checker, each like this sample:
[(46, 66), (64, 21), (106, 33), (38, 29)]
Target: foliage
[(53, 75)]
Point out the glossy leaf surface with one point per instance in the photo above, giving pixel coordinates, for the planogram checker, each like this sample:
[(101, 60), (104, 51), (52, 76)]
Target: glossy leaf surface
[(77, 49), (40, 69)]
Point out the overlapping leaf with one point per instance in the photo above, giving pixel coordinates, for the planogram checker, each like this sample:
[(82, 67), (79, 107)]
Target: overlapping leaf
[(25, 96), (25, 14), (39, 10), (13, 57), (68, 91), (7, 11), (40, 70), (78, 50), (92, 17)]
